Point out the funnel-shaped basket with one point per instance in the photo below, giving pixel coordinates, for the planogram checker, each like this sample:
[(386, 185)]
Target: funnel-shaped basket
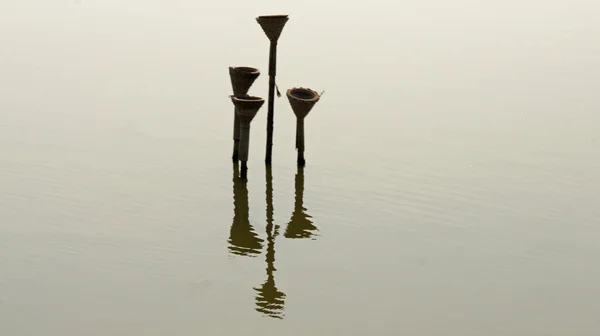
[(272, 25), (247, 106), (242, 79), (302, 100)]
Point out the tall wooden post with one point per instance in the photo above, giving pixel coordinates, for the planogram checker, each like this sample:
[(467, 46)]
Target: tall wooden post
[(272, 25)]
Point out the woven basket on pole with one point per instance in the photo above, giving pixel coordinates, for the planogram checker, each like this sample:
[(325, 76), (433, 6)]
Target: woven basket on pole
[(272, 25), (247, 106), (242, 79), (302, 100)]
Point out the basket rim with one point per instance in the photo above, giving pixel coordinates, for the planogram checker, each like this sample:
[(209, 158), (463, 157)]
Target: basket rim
[(274, 16), (247, 98), (245, 69), (313, 92)]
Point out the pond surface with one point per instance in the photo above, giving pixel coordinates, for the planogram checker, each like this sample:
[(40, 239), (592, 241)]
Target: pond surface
[(452, 184)]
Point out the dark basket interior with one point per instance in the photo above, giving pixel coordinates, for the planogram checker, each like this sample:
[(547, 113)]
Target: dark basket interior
[(303, 94), (246, 69)]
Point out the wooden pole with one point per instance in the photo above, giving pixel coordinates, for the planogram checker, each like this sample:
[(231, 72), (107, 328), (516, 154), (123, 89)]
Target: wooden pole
[(236, 135), (271, 102), (272, 25), (300, 141), (244, 146)]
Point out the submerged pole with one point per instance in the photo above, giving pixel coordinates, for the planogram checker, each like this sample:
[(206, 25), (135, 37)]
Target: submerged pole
[(272, 25), (302, 101), (242, 79), (246, 108)]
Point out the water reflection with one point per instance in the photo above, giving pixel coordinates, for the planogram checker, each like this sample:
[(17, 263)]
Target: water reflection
[(243, 240), (300, 225), (270, 300)]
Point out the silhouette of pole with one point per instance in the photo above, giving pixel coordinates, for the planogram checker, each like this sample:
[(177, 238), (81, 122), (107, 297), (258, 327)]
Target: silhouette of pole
[(242, 79), (246, 108), (302, 101), (272, 25), (269, 194)]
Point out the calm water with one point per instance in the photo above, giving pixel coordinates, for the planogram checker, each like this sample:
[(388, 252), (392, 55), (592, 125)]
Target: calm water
[(452, 184)]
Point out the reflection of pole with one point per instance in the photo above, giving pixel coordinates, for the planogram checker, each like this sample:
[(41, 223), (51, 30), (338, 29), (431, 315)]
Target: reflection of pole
[(269, 300), (242, 238), (300, 225), (272, 25), (269, 191), (299, 187)]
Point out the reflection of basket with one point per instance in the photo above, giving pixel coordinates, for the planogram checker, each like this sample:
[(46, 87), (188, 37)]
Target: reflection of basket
[(301, 225), (247, 106), (243, 240), (242, 79), (272, 25), (302, 100)]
